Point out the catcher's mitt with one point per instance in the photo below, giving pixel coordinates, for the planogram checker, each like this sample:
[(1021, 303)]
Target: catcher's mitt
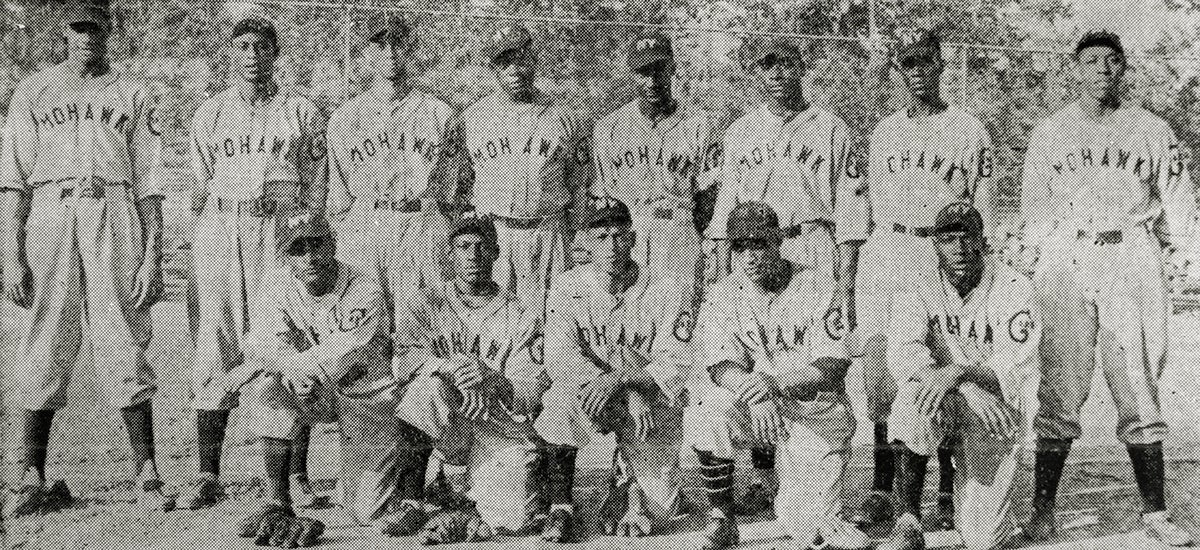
[(453, 526), (269, 513)]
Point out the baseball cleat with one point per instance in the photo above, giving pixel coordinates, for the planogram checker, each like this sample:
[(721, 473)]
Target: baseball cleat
[(906, 535), (876, 509), (1159, 526), (25, 500), (1041, 524), (560, 526), (152, 498), (58, 496), (303, 495), (406, 521), (756, 500), (945, 508), (721, 533), (203, 492)]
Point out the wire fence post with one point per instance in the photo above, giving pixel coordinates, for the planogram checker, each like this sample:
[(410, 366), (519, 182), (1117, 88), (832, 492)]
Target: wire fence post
[(964, 52)]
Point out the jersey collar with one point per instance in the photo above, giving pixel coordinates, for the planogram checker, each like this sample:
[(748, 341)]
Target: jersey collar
[(458, 304), (663, 126)]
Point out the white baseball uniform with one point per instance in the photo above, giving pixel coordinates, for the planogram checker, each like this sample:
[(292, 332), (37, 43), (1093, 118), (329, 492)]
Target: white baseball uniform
[(85, 150), (774, 333), (656, 169), (804, 169), (341, 339), (915, 167), (252, 163), (586, 325), (530, 161), (384, 159), (435, 326), (1099, 199), (994, 327)]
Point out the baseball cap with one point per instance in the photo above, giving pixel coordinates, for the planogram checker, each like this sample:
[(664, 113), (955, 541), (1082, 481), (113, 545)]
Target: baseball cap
[(753, 221), (386, 26), (86, 12), (1099, 38), (307, 225), (471, 222), (508, 37), (911, 39), (958, 216), (256, 25), (648, 48), (604, 212), (759, 49)]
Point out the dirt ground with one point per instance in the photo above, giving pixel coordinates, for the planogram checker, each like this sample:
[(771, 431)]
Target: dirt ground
[(1099, 506)]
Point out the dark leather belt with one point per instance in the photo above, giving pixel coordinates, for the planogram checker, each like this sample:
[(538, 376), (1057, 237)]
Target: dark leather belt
[(413, 205), (923, 232), (93, 187), (664, 214), (1103, 237), (263, 207), (91, 191), (793, 231)]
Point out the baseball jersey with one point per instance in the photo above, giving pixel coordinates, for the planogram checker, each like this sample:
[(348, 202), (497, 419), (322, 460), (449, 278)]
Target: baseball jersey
[(339, 336), (659, 164), (64, 126), (528, 159), (1127, 171), (916, 166), (771, 332), (384, 149), (436, 322), (994, 326), (803, 168), (238, 147), (586, 325)]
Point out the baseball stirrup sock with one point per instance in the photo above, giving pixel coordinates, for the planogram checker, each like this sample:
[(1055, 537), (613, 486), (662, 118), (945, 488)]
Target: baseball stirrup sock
[(946, 466), (560, 474), (277, 458), (1048, 468), (210, 436), (36, 438), (911, 468), (885, 466), (717, 474), (413, 449), (300, 451), (139, 422), (1149, 469)]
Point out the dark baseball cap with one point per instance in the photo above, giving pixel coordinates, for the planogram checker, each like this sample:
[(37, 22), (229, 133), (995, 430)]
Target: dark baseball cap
[(256, 25), (508, 37), (473, 223), (384, 27), (604, 212), (86, 12), (753, 221), (761, 48), (648, 48), (911, 39), (1099, 38), (958, 217), (307, 225)]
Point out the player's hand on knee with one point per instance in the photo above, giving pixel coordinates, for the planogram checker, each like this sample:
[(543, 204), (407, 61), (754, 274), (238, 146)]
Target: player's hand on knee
[(18, 283), (767, 423), (301, 382), (470, 374), (933, 385), (596, 394), (474, 403), (147, 285), (756, 388), (236, 379), (996, 416), (639, 412), (527, 396)]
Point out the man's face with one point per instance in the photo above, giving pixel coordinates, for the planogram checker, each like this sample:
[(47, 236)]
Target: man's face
[(959, 251), (473, 257), (86, 42), (515, 70), (921, 68), (755, 257), (253, 56), (312, 260), (611, 247), (389, 59), (779, 76), (1100, 70), (654, 81)]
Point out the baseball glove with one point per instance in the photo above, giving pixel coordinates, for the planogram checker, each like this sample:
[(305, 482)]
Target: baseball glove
[(453, 526), (300, 532), (268, 514)]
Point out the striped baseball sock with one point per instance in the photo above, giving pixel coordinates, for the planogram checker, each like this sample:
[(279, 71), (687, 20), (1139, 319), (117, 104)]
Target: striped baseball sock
[(717, 474)]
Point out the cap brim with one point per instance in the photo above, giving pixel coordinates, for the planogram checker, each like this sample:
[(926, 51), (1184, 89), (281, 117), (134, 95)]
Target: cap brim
[(640, 60), (86, 16)]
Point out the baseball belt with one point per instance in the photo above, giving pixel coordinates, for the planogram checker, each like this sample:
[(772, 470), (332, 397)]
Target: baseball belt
[(262, 207), (923, 232), (92, 187), (793, 231), (1102, 237), (407, 206)]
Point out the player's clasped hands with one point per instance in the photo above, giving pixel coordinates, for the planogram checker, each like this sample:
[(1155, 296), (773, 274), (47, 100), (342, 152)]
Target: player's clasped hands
[(756, 388), (766, 422), (999, 418), (597, 393)]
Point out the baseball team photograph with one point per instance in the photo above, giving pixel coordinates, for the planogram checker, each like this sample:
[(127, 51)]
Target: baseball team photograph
[(700, 274)]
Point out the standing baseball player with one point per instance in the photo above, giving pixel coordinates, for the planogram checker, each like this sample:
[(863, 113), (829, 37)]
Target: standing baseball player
[(385, 148), (964, 351), (468, 356), (258, 153), (320, 354), (529, 160), (795, 158), (82, 208), (1105, 190), (771, 340), (660, 158), (617, 351), (923, 157)]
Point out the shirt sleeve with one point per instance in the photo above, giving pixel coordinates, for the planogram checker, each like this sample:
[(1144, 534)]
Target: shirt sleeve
[(727, 194), (908, 337), (1014, 359), (18, 143), (1037, 199), (453, 172), (1176, 225), (566, 361), (711, 149), (313, 158), (579, 169), (982, 180), (146, 147), (828, 327), (339, 199), (202, 162), (361, 320), (672, 353), (278, 336), (849, 193)]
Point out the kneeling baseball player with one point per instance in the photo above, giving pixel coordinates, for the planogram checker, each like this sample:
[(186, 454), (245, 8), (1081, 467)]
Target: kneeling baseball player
[(617, 346), (472, 381), (321, 356), (965, 356), (771, 339)]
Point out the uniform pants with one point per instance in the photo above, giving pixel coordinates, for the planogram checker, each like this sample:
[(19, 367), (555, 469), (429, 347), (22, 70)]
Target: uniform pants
[(813, 247), (993, 481), (811, 460), (404, 250), (84, 253), (668, 247), (529, 256), (1105, 302), (888, 264)]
